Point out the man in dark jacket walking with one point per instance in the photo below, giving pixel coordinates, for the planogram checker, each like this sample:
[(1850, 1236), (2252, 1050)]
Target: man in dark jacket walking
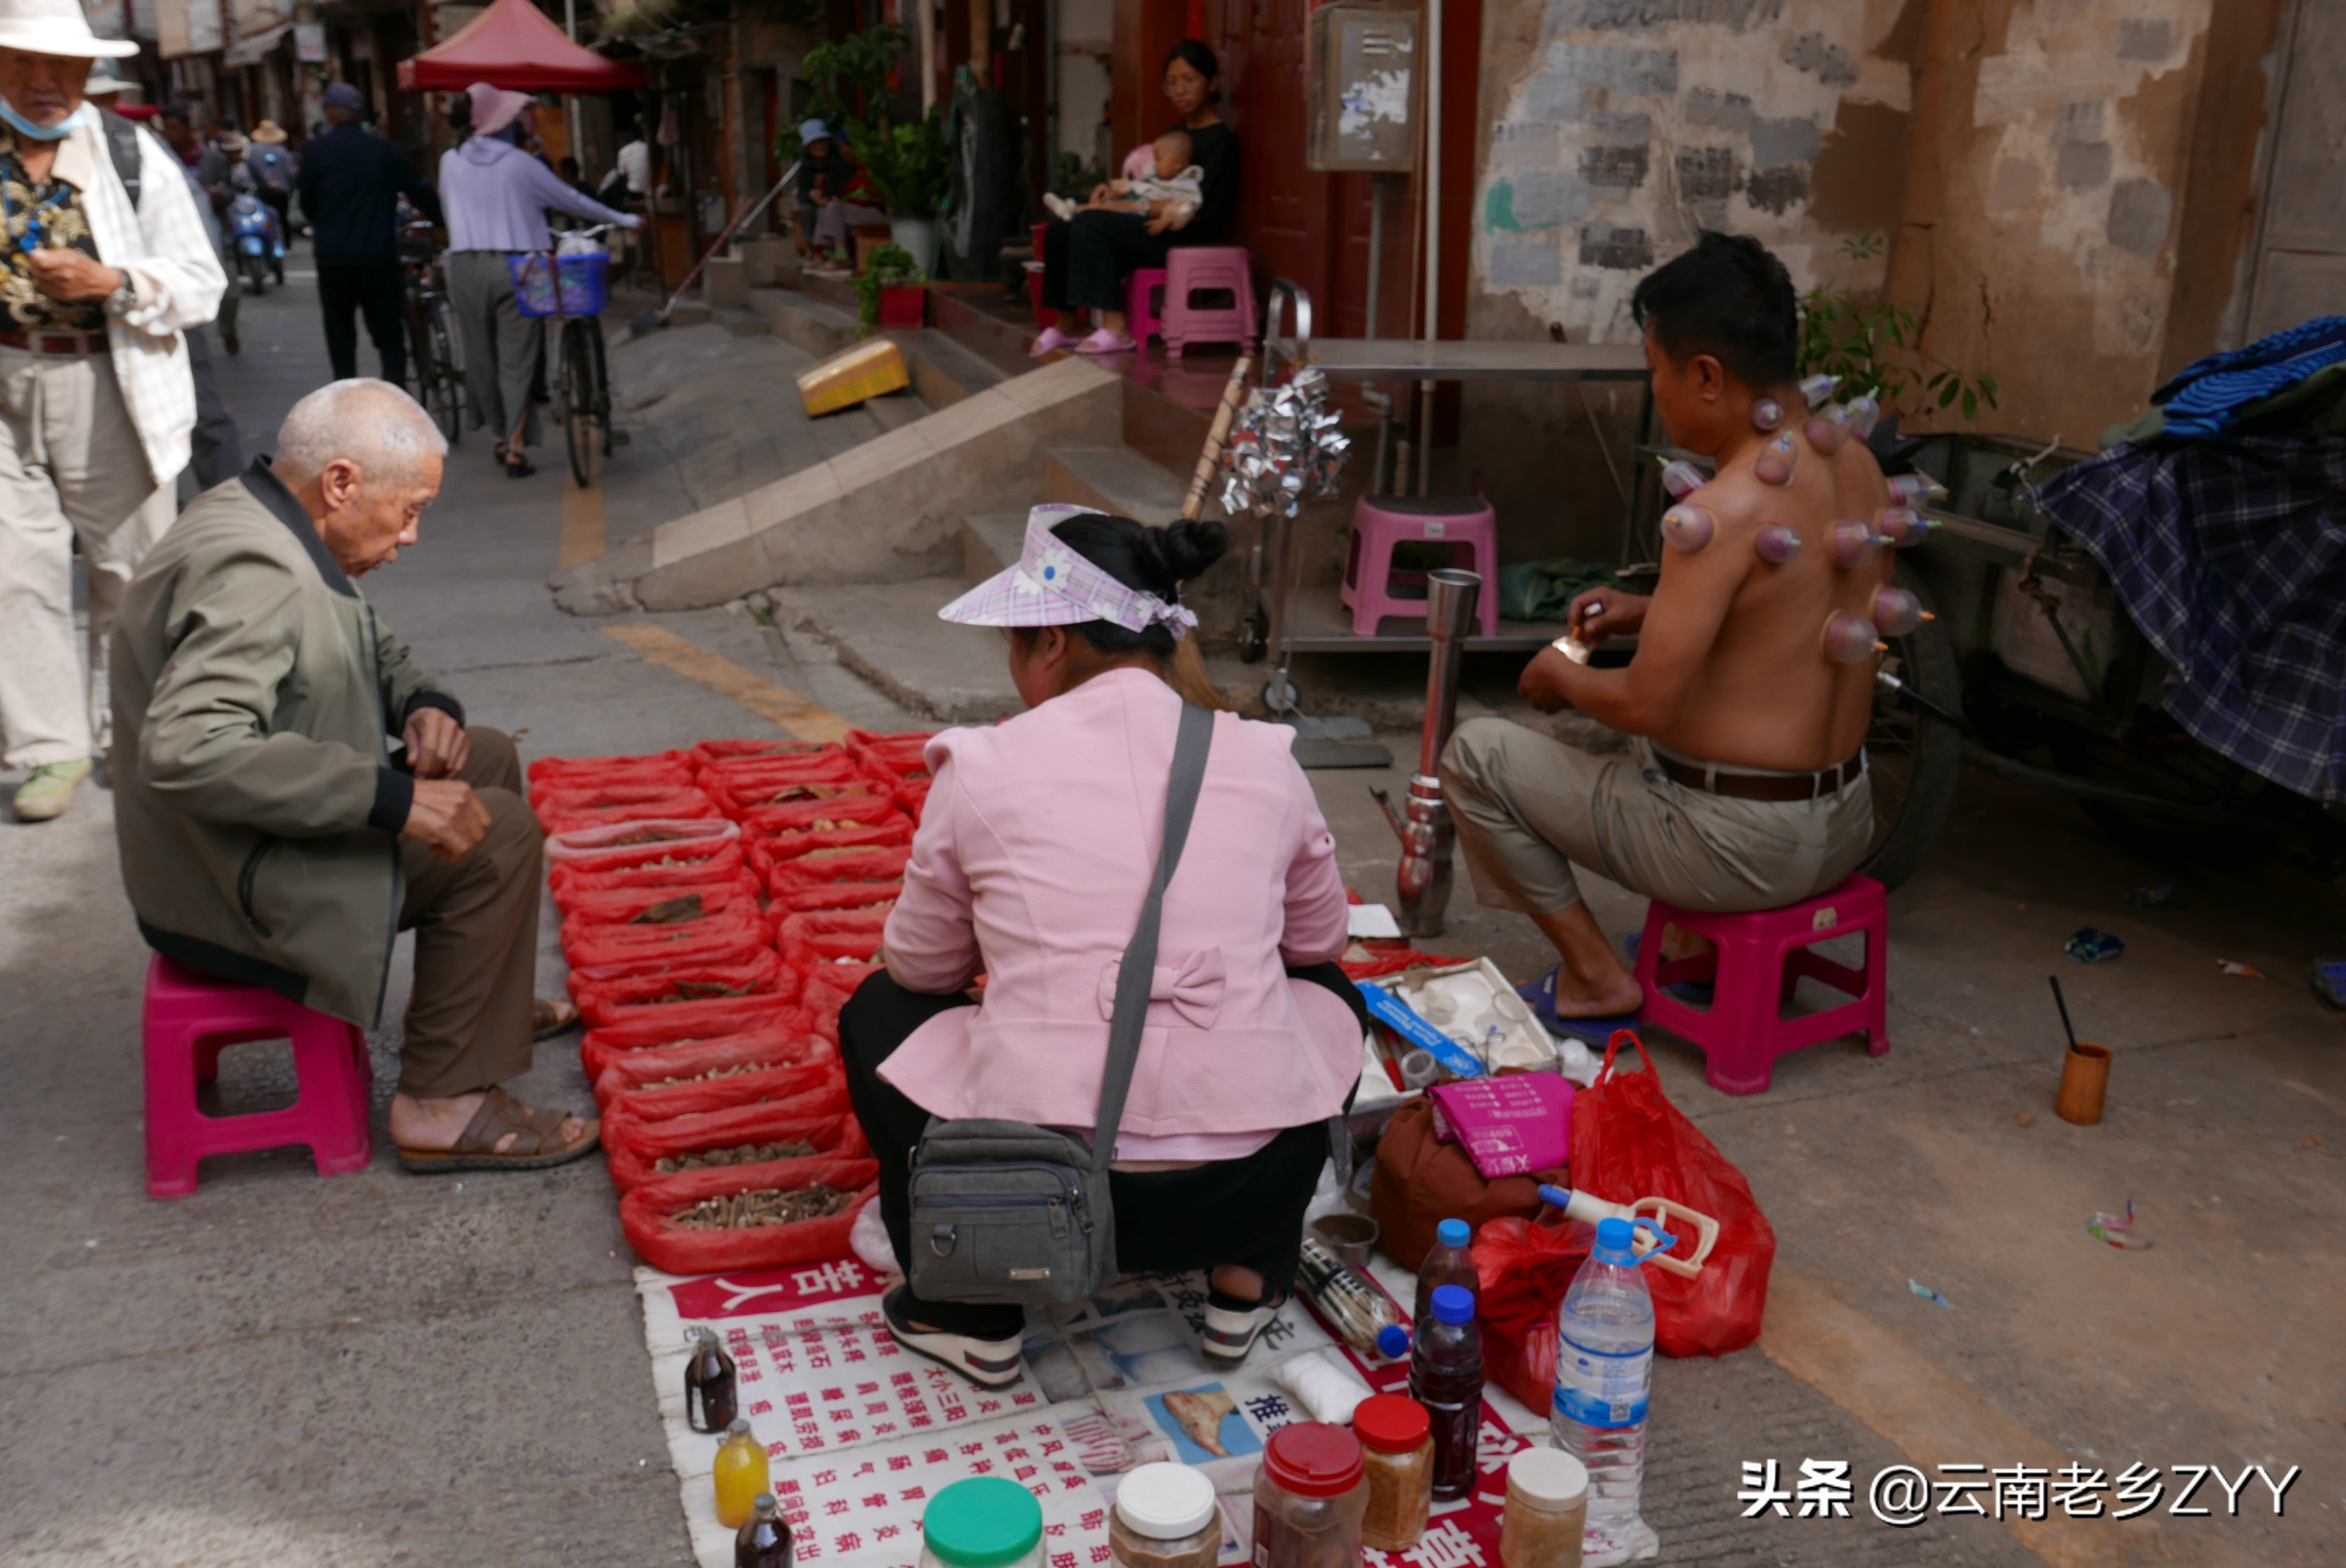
[(352, 181)]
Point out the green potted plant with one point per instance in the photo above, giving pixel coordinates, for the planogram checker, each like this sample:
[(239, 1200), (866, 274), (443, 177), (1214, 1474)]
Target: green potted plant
[(845, 78), (1875, 346), (888, 290), (906, 165)]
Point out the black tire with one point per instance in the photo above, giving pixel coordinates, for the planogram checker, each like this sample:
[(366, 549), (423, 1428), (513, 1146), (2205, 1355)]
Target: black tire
[(1915, 757), (256, 274), (582, 399), (277, 270), (983, 196), (444, 386)]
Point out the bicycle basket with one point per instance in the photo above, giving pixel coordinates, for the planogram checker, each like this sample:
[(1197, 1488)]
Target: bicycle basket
[(547, 285)]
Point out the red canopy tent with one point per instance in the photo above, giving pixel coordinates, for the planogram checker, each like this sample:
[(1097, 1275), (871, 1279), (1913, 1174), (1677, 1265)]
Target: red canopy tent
[(514, 46)]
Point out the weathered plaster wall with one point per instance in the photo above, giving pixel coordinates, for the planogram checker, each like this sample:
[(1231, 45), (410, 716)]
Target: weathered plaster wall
[(2028, 160)]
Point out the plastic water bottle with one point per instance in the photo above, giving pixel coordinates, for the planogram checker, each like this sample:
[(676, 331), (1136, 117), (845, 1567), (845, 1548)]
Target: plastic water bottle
[(1604, 1368), (1445, 1375), (1446, 1263)]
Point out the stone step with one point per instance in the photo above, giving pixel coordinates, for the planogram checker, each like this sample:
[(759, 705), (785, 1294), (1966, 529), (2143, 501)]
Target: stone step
[(889, 634), (944, 371), (803, 320), (1115, 479), (991, 541)]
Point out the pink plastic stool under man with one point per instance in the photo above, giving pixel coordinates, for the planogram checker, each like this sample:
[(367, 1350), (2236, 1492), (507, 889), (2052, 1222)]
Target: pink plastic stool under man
[(1194, 269), (1381, 524), (1757, 961), (189, 1019)]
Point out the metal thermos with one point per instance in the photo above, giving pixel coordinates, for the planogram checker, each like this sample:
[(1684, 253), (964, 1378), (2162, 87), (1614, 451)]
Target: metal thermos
[(1426, 839)]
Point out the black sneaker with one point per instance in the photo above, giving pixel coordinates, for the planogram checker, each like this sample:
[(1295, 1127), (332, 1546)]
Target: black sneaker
[(988, 1363)]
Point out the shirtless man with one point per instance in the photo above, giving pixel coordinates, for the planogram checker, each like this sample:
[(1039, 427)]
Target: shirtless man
[(1746, 788)]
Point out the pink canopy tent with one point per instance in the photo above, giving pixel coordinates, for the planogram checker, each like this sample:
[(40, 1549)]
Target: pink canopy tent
[(514, 46)]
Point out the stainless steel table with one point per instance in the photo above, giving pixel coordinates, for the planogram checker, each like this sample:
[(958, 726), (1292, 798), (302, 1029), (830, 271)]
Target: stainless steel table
[(1326, 629)]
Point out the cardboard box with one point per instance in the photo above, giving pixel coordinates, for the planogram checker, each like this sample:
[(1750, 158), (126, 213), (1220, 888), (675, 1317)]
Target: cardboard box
[(870, 369)]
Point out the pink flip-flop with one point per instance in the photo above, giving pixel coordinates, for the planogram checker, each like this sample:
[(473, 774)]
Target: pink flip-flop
[(1050, 341), (1104, 342)]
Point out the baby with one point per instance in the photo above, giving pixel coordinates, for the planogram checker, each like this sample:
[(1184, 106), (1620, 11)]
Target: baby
[(1173, 178)]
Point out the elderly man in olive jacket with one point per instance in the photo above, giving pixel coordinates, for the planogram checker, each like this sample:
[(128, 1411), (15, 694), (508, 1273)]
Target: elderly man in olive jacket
[(266, 836)]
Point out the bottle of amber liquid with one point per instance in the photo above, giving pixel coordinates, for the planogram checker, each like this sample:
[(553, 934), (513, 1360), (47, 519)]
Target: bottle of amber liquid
[(711, 1399), (765, 1540), (739, 1475)]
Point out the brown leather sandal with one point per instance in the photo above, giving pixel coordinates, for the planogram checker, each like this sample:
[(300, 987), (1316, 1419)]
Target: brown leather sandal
[(549, 1016), (537, 1141)]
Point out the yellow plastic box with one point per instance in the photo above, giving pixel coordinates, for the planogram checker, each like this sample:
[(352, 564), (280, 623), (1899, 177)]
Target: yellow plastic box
[(869, 370)]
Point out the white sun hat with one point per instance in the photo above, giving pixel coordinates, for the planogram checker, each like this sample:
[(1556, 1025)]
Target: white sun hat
[(1052, 586), (55, 27)]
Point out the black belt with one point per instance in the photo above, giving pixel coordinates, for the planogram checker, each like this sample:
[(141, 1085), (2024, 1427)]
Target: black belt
[(1764, 786), (72, 345)]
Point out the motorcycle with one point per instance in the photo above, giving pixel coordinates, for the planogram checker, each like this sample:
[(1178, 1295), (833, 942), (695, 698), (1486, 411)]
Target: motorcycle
[(258, 244)]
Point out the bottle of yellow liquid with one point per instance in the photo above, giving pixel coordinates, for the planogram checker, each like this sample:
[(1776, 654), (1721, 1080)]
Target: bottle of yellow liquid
[(740, 1475)]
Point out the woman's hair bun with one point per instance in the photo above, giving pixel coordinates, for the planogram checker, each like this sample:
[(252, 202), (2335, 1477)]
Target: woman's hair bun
[(1180, 551)]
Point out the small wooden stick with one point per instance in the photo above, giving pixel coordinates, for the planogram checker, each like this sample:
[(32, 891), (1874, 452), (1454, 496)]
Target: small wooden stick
[(1210, 459)]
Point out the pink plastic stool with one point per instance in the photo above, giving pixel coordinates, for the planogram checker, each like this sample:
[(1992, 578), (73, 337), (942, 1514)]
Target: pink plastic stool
[(189, 1019), (1758, 960), (1380, 522), (1144, 297), (1194, 269)]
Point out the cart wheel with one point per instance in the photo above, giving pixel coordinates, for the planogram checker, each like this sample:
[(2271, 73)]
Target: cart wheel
[(1914, 756), (1281, 697)]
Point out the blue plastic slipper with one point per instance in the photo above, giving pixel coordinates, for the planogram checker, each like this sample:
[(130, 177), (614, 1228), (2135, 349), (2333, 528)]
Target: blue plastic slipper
[(1540, 997), (1693, 992)]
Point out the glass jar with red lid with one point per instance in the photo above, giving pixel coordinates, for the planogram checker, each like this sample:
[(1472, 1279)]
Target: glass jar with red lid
[(1397, 1453), (1308, 1498)]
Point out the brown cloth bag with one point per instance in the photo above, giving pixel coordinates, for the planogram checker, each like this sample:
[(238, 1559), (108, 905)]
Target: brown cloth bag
[(1422, 1181)]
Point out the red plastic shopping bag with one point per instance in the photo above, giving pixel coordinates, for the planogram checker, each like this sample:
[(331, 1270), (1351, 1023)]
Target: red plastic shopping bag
[(1629, 1142), (649, 1216), (1525, 1268)]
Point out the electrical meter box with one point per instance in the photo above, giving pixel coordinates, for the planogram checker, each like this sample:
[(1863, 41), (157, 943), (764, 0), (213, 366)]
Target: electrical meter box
[(1361, 85)]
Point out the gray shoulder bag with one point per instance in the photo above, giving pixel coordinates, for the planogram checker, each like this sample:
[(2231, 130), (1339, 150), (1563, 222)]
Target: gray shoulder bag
[(1006, 1211)]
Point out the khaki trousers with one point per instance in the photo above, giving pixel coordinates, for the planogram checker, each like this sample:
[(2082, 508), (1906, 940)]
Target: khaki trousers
[(1528, 808), (70, 463), (503, 348), (476, 924)]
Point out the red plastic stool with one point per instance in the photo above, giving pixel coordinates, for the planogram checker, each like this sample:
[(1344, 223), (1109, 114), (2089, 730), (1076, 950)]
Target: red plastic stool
[(1382, 522), (1144, 297), (189, 1019), (1194, 269), (1757, 961)]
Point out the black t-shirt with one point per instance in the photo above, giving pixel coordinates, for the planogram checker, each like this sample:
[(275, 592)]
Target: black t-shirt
[(1215, 149)]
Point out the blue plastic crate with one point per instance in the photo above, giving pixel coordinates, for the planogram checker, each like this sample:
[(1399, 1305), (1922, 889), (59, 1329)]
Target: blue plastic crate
[(546, 285)]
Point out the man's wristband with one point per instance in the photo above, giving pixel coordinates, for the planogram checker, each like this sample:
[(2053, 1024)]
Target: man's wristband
[(395, 797)]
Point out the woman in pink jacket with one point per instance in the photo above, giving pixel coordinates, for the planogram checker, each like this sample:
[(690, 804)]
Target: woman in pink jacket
[(1033, 851)]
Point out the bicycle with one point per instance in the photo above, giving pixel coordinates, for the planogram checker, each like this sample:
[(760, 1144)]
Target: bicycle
[(574, 289), (436, 361)]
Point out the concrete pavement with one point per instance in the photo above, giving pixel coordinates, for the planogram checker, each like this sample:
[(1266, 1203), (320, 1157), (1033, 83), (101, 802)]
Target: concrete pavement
[(380, 1369)]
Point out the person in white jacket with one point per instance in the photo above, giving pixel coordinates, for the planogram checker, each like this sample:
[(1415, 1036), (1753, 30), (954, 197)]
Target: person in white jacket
[(96, 402)]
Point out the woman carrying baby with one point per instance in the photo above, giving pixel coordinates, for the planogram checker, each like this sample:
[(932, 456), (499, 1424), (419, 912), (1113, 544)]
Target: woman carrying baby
[(1035, 850), (1088, 252)]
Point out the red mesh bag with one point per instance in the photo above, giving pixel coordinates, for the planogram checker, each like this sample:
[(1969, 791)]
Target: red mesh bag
[(698, 1019), (580, 796), (688, 980), (902, 755), (766, 854), (912, 796), (654, 866), (739, 795), (818, 1115), (632, 842), (588, 945), (839, 865), (727, 947), (573, 772), (643, 1215), (797, 899), (656, 1086), (625, 906), (634, 1072), (564, 816), (829, 766), (689, 1023), (709, 752)]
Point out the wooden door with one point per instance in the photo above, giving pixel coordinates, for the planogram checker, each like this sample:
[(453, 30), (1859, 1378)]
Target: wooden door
[(2302, 255)]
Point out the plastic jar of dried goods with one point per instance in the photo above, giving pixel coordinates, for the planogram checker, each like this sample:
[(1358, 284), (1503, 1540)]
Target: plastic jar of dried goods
[(1309, 1496), (1165, 1517), (1547, 1509), (982, 1522), (1397, 1453)]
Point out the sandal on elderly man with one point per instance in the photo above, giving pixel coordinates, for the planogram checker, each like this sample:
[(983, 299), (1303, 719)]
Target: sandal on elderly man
[(502, 1134)]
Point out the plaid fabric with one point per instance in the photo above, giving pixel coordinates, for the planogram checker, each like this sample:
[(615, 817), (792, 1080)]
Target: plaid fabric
[(2230, 556), (1052, 586), (2210, 394)]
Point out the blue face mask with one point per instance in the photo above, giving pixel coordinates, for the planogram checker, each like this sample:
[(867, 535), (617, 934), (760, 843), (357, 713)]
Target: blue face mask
[(23, 126)]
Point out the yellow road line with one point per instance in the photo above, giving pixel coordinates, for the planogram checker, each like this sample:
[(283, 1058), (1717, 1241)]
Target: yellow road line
[(777, 704), (1933, 1418), (582, 523)]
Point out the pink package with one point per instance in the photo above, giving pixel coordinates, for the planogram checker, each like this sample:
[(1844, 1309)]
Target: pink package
[(1511, 1126)]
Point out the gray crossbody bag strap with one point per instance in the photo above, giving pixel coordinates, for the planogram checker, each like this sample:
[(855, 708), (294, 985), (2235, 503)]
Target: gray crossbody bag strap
[(1139, 973)]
